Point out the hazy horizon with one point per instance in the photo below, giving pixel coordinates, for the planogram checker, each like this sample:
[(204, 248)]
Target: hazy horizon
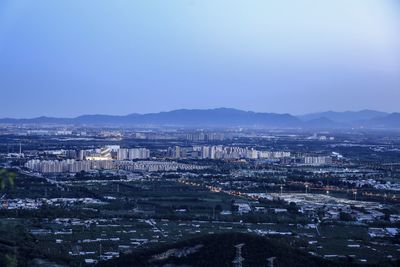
[(65, 59)]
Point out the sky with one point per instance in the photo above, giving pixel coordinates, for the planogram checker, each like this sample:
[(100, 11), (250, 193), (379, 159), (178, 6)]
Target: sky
[(66, 58)]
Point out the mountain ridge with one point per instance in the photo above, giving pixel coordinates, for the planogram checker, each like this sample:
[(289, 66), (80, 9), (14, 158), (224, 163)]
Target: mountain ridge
[(230, 117), (345, 116)]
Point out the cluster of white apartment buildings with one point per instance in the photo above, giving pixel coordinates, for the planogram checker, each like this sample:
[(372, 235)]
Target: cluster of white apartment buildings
[(68, 165), (72, 166), (316, 161), (222, 152), (114, 152), (152, 166), (133, 153)]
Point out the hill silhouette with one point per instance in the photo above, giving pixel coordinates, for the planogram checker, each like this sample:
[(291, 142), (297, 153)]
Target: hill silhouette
[(219, 250)]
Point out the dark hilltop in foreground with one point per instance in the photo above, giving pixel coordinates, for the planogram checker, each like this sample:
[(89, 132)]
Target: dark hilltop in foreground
[(221, 250), (227, 117)]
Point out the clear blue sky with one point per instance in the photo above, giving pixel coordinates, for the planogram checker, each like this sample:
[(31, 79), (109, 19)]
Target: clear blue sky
[(66, 58)]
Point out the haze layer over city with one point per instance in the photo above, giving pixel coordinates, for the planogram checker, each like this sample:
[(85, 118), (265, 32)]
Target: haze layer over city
[(199, 133)]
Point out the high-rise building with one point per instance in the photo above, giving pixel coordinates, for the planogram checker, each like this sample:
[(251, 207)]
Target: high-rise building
[(133, 153), (122, 154), (205, 152), (176, 152), (138, 153)]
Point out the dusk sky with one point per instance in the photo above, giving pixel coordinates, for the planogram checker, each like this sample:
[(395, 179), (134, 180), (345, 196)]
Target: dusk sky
[(67, 58)]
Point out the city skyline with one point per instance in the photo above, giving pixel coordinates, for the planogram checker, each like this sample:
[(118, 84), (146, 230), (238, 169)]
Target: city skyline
[(65, 59)]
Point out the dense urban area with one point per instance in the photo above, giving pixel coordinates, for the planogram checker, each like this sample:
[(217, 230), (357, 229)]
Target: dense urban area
[(85, 196)]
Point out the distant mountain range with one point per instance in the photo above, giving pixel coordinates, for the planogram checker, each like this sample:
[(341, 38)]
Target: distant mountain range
[(227, 117), (346, 116)]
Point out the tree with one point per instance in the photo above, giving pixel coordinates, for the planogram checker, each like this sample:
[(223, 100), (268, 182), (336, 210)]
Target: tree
[(218, 208), (292, 208), (9, 260), (345, 217), (6, 178)]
